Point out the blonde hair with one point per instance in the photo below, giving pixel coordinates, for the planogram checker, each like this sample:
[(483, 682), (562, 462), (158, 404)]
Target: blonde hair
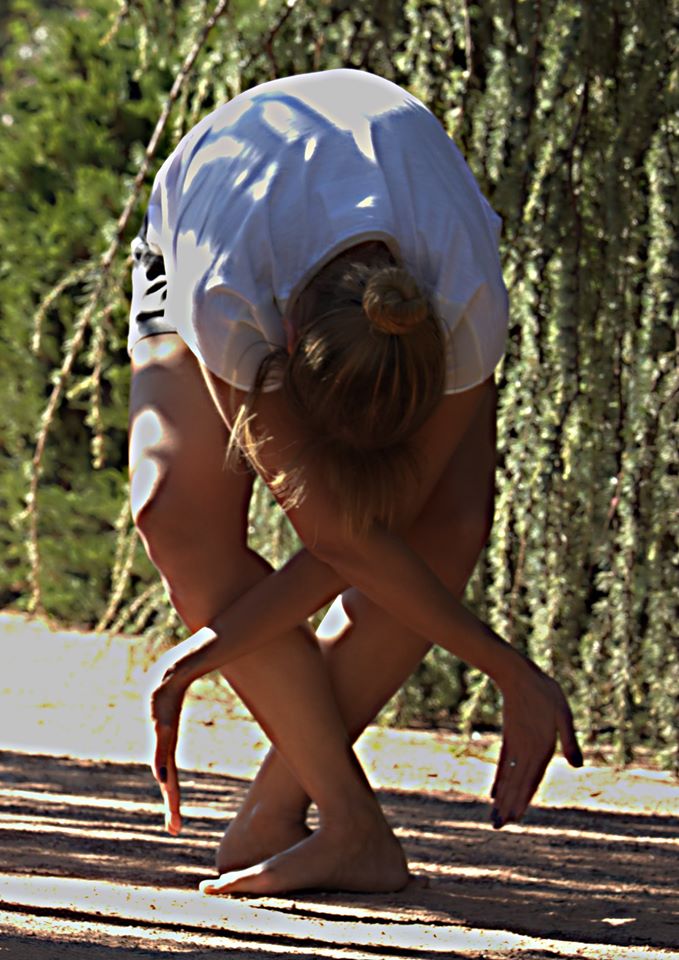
[(366, 370)]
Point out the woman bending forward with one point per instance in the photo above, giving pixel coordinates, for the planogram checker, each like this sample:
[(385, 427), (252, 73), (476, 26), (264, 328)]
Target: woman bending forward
[(317, 294)]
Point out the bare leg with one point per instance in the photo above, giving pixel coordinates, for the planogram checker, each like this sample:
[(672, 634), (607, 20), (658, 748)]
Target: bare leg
[(372, 655), (192, 516)]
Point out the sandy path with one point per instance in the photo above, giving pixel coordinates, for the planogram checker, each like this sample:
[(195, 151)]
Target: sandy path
[(87, 872)]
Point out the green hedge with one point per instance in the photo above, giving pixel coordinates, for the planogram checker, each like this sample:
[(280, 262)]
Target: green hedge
[(564, 111)]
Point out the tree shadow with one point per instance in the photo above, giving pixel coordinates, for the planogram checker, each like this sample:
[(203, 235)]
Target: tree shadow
[(565, 874)]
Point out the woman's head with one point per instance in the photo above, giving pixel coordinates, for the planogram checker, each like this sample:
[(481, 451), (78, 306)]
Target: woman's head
[(365, 370)]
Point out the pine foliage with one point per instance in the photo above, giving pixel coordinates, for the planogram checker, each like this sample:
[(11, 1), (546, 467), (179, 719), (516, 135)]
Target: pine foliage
[(564, 111)]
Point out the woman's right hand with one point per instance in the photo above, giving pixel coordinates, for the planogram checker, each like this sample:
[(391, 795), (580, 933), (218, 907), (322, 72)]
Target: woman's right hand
[(167, 699), (535, 711)]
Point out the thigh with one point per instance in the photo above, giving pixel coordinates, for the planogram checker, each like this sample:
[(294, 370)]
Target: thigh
[(190, 509), (455, 523)]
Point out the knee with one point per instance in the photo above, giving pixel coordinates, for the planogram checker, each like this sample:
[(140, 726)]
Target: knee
[(160, 531), (160, 487), (162, 545), (476, 528), (202, 561), (471, 535), (454, 550)]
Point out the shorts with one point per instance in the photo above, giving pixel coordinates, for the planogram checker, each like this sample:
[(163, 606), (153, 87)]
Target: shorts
[(149, 292)]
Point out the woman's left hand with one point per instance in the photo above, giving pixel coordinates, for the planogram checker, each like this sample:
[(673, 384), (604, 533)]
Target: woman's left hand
[(535, 711)]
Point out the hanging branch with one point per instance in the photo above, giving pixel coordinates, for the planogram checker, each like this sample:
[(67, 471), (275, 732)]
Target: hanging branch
[(267, 42), (469, 50), (104, 268), (127, 544), (123, 10), (71, 279), (176, 90), (142, 607), (96, 416)]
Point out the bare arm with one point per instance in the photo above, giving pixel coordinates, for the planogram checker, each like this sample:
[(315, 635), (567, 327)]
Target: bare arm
[(386, 570), (404, 586), (286, 598)]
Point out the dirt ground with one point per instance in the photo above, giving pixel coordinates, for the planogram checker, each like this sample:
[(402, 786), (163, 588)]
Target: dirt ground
[(87, 872)]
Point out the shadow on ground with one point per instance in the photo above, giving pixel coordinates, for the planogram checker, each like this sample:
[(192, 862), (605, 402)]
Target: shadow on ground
[(566, 875)]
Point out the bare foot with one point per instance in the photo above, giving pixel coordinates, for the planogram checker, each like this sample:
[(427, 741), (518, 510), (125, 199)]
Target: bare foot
[(251, 838), (332, 858)]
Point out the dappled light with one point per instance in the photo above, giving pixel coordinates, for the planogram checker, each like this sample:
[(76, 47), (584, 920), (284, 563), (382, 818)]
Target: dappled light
[(86, 858), (150, 136), (84, 838), (259, 189)]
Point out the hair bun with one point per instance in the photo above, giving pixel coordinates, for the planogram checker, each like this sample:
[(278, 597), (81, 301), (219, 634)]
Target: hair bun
[(393, 302)]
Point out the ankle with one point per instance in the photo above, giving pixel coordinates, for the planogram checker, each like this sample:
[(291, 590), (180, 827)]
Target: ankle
[(358, 819)]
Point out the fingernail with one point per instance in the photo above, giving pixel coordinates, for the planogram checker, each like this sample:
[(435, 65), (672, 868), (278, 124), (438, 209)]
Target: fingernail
[(496, 819), (162, 773)]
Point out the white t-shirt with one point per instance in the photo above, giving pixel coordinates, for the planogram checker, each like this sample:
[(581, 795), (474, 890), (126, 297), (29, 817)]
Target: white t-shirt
[(275, 183)]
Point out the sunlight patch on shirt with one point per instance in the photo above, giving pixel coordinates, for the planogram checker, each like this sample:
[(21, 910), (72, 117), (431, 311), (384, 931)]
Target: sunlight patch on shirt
[(363, 139), (223, 120), (281, 119), (259, 190), (220, 149), (339, 106), (367, 202), (310, 148), (190, 244)]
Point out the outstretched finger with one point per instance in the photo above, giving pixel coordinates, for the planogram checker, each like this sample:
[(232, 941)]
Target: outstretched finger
[(165, 772), (528, 787), (567, 735), (499, 770), (509, 805), (504, 788)]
